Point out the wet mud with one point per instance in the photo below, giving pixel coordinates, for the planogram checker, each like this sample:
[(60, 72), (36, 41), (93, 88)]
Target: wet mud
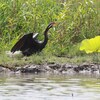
[(89, 68)]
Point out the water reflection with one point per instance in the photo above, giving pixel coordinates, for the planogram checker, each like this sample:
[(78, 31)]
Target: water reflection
[(49, 87)]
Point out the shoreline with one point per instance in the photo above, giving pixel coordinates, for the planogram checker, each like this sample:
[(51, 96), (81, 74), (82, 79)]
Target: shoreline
[(54, 68)]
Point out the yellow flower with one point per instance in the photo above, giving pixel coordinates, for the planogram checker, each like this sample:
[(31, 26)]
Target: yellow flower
[(91, 45)]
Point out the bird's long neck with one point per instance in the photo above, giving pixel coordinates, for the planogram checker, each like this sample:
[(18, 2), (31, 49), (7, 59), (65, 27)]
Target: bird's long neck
[(46, 35)]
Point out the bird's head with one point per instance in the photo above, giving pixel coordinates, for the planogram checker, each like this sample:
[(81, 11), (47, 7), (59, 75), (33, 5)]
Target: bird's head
[(51, 25)]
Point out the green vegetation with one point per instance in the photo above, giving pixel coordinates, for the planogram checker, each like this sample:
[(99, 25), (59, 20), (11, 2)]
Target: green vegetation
[(42, 58), (78, 19)]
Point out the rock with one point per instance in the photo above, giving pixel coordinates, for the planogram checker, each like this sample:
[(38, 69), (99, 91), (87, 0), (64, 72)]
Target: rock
[(1, 69), (32, 69), (55, 66)]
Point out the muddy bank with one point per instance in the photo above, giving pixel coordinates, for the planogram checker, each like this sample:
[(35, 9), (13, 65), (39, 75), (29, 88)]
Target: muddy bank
[(54, 68)]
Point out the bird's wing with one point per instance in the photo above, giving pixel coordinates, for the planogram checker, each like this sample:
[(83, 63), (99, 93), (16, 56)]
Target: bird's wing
[(19, 44), (23, 43)]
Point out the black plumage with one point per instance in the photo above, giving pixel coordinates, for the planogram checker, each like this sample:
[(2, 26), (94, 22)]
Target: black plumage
[(29, 43)]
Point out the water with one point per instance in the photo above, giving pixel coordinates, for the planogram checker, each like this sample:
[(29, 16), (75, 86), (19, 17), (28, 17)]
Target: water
[(49, 87)]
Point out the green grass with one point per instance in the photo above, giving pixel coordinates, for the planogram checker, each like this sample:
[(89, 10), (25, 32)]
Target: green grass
[(42, 58), (78, 19)]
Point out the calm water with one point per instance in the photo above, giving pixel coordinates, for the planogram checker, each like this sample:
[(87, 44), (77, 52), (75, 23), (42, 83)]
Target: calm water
[(49, 87)]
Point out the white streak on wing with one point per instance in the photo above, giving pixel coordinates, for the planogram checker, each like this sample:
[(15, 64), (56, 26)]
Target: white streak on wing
[(35, 35)]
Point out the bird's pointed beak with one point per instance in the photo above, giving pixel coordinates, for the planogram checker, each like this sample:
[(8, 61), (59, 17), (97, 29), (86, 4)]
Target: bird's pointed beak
[(54, 24)]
